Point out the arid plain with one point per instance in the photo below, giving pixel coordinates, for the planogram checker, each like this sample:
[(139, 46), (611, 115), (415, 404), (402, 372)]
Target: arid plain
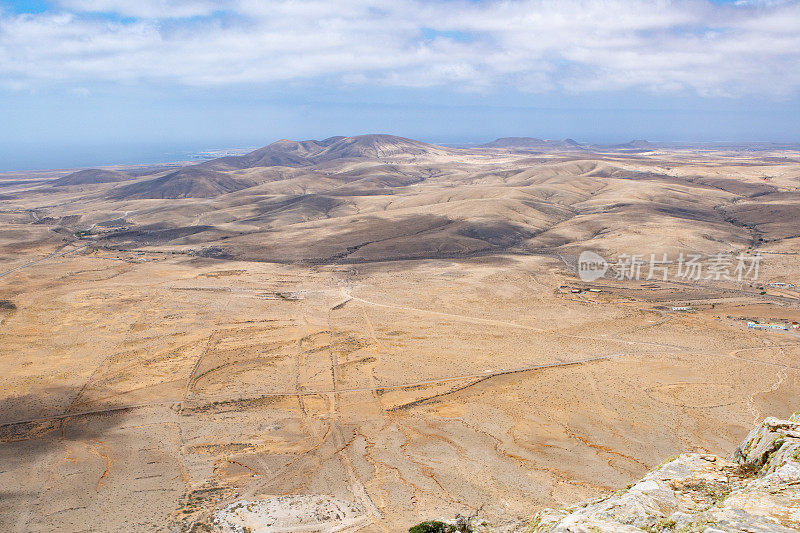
[(381, 327)]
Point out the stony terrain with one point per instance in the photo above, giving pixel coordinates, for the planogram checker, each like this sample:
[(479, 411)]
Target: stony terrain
[(382, 327)]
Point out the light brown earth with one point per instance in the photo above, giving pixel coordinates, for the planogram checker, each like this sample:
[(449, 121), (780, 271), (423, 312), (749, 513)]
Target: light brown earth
[(383, 327)]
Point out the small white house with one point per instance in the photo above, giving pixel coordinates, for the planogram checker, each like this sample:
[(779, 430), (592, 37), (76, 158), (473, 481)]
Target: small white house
[(756, 325)]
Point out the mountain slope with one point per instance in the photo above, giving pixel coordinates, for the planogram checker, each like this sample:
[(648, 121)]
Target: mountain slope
[(378, 146), (214, 178), (188, 182), (306, 153), (91, 176), (283, 153)]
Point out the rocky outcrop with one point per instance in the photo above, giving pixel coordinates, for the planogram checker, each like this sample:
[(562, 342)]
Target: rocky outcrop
[(771, 445), (756, 490), (295, 513)]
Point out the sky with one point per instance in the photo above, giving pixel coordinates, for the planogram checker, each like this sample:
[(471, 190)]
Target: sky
[(91, 82)]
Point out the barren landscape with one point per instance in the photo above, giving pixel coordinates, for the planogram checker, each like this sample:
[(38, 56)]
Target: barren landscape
[(361, 333)]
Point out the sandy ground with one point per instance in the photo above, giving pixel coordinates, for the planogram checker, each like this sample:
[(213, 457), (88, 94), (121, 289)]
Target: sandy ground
[(142, 394)]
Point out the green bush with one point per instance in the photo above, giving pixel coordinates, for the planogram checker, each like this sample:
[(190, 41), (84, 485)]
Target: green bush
[(463, 524), (432, 526)]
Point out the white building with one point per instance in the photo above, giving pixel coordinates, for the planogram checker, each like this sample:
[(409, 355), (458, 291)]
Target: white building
[(756, 325)]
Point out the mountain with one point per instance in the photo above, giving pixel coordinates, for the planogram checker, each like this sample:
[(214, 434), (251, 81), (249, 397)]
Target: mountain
[(91, 176), (379, 146), (641, 143), (188, 182), (213, 178), (515, 142), (636, 144), (306, 153), (283, 153), (530, 142)]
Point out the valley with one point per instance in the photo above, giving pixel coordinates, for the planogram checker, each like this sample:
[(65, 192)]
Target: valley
[(384, 330)]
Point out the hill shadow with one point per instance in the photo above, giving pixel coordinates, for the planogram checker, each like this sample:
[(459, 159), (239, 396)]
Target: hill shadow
[(32, 426)]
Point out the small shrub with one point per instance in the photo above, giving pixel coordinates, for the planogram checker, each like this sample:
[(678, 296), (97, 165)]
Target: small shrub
[(698, 526), (432, 526), (662, 526), (533, 524), (463, 524)]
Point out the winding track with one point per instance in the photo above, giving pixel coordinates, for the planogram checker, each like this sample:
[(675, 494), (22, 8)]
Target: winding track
[(420, 383)]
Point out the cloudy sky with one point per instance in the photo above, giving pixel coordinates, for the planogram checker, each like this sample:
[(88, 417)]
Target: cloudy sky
[(113, 80)]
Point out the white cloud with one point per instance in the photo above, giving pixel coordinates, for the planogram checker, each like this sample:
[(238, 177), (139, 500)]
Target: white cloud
[(151, 9), (534, 45)]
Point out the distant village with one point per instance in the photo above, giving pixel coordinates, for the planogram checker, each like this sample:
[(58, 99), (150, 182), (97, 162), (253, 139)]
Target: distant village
[(773, 325), (778, 324)]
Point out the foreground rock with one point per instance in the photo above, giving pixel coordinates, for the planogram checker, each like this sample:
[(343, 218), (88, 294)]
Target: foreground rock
[(296, 513), (758, 490)]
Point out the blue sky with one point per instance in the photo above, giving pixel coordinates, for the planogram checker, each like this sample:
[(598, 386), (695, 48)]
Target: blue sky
[(88, 82)]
